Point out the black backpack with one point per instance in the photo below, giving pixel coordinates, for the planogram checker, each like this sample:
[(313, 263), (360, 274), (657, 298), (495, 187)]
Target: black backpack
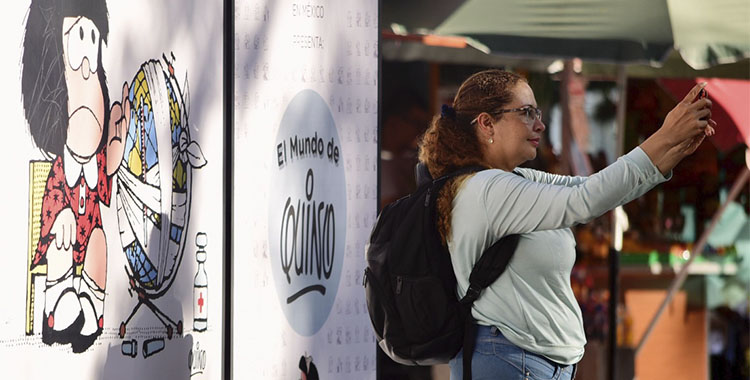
[(411, 287)]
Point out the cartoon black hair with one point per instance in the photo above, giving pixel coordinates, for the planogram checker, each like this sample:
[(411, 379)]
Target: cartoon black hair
[(311, 372), (45, 94)]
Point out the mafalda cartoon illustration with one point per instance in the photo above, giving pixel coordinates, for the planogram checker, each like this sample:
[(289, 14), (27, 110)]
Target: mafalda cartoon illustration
[(154, 186), (67, 108)]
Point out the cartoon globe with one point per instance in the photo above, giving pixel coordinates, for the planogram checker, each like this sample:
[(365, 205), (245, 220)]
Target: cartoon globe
[(154, 180)]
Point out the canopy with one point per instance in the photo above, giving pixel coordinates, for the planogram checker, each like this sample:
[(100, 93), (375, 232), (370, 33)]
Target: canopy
[(706, 33)]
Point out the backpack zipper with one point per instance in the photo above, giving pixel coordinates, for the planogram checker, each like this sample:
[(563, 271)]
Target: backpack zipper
[(399, 283)]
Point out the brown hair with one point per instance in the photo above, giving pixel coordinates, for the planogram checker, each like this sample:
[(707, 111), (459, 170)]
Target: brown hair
[(451, 142)]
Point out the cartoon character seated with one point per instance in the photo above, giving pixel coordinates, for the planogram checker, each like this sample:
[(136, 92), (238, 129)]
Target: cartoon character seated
[(66, 104)]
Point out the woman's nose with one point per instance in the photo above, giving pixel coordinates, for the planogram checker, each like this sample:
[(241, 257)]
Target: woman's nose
[(539, 126)]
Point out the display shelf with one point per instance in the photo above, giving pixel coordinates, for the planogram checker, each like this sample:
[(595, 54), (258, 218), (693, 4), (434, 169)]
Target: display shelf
[(666, 263)]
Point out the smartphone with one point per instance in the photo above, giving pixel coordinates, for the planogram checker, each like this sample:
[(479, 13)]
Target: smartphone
[(702, 94)]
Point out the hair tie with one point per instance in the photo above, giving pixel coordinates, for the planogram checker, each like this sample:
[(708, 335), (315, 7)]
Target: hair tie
[(448, 111)]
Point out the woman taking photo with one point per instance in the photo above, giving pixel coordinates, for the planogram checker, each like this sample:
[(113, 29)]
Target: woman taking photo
[(529, 322)]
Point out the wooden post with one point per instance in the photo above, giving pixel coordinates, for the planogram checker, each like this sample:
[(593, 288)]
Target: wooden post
[(566, 133), (617, 229)]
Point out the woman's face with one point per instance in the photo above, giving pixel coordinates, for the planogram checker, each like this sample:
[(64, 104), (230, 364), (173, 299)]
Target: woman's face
[(516, 134), (85, 97)]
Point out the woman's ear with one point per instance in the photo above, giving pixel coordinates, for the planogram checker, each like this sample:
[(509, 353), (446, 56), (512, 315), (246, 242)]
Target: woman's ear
[(484, 123)]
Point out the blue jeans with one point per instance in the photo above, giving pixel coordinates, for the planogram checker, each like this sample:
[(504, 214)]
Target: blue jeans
[(497, 358)]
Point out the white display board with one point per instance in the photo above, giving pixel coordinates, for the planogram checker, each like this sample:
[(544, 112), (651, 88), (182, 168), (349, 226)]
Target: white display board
[(105, 223), (305, 188)]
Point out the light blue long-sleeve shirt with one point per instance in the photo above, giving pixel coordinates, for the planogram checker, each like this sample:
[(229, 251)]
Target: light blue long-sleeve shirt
[(532, 302)]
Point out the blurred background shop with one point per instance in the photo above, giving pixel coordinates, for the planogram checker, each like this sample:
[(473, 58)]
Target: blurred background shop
[(673, 295)]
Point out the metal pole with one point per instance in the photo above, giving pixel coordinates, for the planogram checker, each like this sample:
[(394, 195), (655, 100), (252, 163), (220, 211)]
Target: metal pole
[(614, 252), (614, 290), (677, 282), (622, 87), (228, 227)]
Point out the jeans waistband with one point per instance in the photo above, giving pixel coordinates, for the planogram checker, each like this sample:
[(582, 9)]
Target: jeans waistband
[(490, 331), (495, 333)]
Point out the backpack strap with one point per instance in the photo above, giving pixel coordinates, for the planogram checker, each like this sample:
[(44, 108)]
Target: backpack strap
[(432, 238), (461, 171), (437, 184), (421, 174), (490, 265), (488, 268), (470, 333)]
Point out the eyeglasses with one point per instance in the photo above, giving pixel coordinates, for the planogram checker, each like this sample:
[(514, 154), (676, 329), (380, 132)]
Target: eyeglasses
[(531, 114)]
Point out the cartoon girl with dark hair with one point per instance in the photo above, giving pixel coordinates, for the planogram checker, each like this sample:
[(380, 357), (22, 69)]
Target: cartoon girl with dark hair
[(66, 105)]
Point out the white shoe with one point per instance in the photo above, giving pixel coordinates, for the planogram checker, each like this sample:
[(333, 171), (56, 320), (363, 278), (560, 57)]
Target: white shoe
[(62, 310), (91, 299)]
